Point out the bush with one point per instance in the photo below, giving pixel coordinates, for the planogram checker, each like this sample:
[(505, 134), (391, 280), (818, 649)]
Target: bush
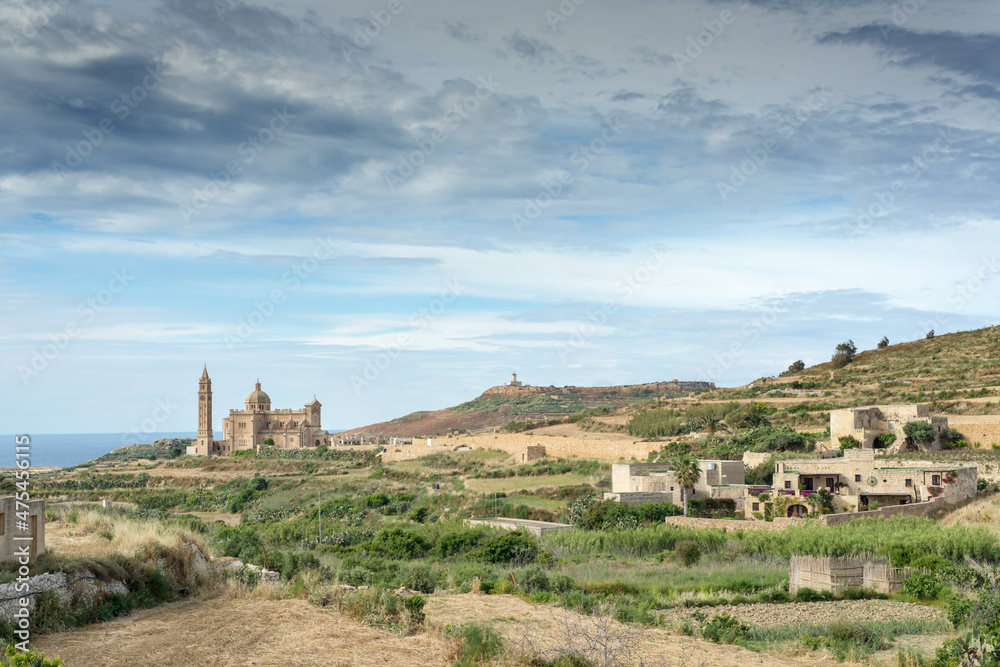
[(420, 577), (725, 629), (848, 442), (533, 580), (922, 586), (807, 595), (399, 544), (884, 343), (480, 643), (514, 546), (461, 541), (13, 658), (688, 551)]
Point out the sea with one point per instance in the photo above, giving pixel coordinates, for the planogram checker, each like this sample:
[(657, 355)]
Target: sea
[(70, 449)]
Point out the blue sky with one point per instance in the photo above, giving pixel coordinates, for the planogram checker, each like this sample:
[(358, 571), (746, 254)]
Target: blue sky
[(393, 205)]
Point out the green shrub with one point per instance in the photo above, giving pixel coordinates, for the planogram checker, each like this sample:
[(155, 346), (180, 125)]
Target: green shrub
[(461, 541), (420, 577), (480, 643), (532, 579), (507, 547), (688, 551), (848, 442), (725, 629), (922, 586), (399, 543), (13, 658), (807, 595)]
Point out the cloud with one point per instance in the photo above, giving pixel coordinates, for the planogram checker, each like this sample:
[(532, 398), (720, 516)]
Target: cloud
[(529, 48)]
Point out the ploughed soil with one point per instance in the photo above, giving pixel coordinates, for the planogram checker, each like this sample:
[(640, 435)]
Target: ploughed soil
[(259, 632), (810, 613)]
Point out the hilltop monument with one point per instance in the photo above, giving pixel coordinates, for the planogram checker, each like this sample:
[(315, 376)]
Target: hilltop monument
[(247, 428)]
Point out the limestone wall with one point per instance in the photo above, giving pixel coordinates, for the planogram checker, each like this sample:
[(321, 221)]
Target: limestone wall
[(734, 524), (911, 509), (516, 444), (982, 432), (84, 589)]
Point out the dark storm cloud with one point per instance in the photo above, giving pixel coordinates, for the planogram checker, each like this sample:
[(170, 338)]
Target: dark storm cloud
[(975, 55)]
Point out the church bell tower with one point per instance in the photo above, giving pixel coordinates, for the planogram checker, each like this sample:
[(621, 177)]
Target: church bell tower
[(205, 434)]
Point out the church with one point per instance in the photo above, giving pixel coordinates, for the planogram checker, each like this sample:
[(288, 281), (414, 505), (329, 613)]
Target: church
[(248, 428)]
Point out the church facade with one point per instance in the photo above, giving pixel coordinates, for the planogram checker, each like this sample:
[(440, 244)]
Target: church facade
[(248, 428)]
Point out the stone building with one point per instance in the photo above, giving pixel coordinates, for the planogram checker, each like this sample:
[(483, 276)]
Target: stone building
[(638, 483), (248, 428), (514, 382), (867, 423), (857, 480), (22, 524)]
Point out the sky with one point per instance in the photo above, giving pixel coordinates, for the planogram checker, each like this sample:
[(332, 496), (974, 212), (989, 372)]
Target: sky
[(391, 205)]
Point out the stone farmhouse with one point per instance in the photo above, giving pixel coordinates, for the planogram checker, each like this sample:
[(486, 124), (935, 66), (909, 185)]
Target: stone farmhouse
[(248, 428), (638, 483), (857, 480), (867, 423)]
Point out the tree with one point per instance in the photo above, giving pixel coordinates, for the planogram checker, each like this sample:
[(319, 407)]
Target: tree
[(713, 424), (749, 415), (844, 354), (921, 432), (686, 474), (930, 334), (884, 343), (268, 441), (795, 367)]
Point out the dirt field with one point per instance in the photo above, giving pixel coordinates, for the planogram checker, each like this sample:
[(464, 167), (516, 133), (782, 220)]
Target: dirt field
[(226, 632), (514, 617), (770, 615), (240, 633)]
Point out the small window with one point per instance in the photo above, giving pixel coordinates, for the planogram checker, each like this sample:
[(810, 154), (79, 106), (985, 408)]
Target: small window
[(756, 507), (857, 478), (671, 488), (909, 482), (935, 480), (3, 523), (788, 484)]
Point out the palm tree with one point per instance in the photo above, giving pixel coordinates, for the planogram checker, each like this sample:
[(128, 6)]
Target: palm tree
[(714, 423), (686, 473)]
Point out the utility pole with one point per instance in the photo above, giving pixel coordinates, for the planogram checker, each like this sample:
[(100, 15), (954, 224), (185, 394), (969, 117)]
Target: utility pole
[(319, 498)]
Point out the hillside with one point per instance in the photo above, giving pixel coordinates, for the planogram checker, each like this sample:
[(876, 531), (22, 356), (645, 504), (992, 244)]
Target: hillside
[(956, 373), (502, 404), (164, 448)]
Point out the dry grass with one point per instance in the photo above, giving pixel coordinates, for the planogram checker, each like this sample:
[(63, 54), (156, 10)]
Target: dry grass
[(231, 632), (95, 533), (983, 512)]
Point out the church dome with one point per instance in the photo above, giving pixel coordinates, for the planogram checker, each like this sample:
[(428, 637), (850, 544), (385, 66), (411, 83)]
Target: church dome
[(257, 396)]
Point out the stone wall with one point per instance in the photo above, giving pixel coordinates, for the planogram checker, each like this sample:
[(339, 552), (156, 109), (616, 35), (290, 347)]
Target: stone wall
[(638, 498), (984, 433), (517, 444), (912, 509), (82, 589), (734, 524)]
